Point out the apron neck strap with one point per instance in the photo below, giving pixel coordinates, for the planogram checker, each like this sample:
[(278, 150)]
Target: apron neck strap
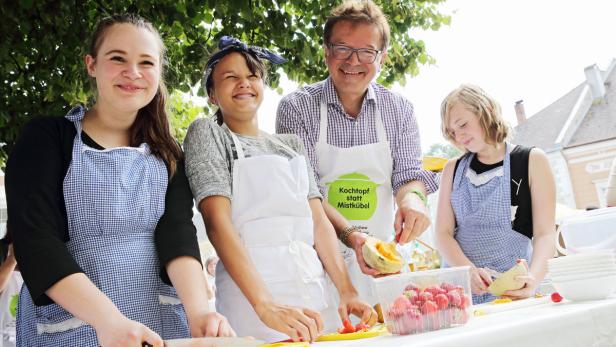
[(380, 128), (465, 163), (240, 151), (236, 142)]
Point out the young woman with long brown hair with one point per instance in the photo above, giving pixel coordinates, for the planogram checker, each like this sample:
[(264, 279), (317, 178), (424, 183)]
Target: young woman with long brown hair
[(100, 210)]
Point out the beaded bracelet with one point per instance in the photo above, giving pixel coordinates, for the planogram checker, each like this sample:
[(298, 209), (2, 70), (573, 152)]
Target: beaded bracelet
[(344, 235)]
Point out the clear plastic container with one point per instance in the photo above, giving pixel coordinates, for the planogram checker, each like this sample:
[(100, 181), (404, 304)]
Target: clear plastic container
[(416, 302)]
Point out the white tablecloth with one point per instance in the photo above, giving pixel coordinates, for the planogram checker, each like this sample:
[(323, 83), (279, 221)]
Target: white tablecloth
[(575, 324)]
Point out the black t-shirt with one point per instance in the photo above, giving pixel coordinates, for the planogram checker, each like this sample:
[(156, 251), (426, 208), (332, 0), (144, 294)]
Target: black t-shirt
[(520, 190), (38, 221)]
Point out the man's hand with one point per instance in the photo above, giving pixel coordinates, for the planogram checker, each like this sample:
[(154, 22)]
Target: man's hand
[(412, 218), (357, 240)]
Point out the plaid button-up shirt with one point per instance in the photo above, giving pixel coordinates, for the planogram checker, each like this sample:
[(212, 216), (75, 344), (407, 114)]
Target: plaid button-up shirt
[(298, 113)]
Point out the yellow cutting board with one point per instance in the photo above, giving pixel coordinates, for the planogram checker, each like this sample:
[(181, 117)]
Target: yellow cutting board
[(376, 330)]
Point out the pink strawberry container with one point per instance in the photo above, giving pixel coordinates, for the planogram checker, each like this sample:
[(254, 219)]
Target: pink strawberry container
[(416, 302)]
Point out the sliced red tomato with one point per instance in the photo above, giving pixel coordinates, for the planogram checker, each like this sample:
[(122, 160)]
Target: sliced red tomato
[(361, 326), (347, 327)]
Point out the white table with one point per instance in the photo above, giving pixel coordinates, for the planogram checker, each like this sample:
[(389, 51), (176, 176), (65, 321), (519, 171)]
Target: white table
[(576, 324)]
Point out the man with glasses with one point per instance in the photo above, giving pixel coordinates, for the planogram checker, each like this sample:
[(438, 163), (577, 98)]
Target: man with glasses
[(362, 140)]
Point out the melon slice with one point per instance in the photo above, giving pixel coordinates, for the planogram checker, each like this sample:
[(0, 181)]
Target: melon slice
[(382, 256), (507, 280)]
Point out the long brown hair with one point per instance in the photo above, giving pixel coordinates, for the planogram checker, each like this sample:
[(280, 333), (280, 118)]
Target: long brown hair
[(151, 125)]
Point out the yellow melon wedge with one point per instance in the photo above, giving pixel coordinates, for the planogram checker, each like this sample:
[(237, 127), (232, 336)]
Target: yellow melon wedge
[(507, 280), (382, 256)]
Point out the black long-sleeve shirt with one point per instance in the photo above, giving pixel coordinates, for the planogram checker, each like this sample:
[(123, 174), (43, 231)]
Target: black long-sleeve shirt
[(38, 221)]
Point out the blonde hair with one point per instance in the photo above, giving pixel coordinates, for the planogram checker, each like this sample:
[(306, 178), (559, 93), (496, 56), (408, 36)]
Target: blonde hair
[(482, 105), (358, 12)]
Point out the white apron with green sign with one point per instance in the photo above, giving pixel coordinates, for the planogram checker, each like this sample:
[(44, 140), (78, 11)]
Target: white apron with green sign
[(358, 185), (8, 309)]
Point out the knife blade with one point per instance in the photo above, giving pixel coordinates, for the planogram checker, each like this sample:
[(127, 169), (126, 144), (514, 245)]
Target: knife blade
[(212, 342), (493, 273)]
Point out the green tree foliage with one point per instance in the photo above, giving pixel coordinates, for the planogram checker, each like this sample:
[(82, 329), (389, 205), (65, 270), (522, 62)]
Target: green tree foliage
[(43, 44), (443, 150), (183, 112)]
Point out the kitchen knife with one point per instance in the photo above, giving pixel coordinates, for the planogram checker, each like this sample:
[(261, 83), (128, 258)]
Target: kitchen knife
[(493, 273), (212, 342)]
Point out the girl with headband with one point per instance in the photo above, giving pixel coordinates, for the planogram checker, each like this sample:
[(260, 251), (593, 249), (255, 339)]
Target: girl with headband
[(262, 211)]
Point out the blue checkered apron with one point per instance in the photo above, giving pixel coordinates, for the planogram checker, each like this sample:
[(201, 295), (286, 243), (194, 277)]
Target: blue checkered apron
[(483, 218), (114, 199)]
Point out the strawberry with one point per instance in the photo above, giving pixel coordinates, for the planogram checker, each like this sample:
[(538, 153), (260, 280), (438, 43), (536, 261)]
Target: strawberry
[(394, 313), (454, 298), (459, 288), (556, 297), (411, 286), (406, 325), (447, 286), (410, 294), (401, 302), (441, 301), (414, 313), (465, 301), (435, 290), (429, 307), (426, 296), (416, 300)]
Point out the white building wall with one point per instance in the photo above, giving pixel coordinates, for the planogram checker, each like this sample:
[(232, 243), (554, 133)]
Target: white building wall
[(564, 189)]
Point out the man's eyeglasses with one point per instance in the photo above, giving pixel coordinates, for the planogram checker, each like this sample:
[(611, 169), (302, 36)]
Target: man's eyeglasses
[(364, 55)]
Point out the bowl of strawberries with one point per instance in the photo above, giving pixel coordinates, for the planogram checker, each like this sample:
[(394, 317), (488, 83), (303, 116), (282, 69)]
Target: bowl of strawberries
[(417, 302)]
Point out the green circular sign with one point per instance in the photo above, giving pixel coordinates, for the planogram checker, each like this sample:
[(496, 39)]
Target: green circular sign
[(353, 195), (13, 305)]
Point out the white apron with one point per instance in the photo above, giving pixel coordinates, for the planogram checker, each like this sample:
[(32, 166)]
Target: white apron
[(358, 181), (8, 309), (270, 211)]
